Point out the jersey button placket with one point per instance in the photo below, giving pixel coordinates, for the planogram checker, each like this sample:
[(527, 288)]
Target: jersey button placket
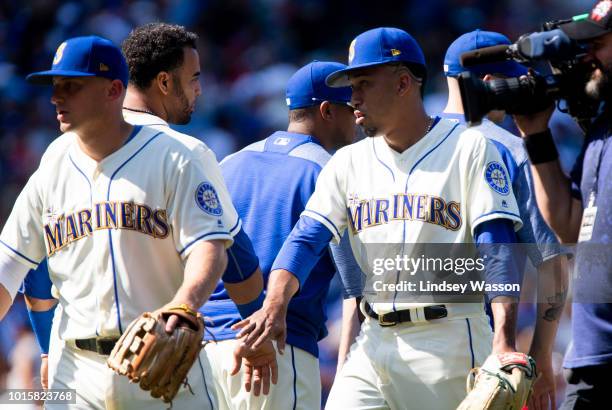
[(101, 249)]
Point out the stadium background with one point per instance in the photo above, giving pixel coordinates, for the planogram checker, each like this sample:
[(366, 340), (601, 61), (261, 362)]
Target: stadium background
[(248, 49)]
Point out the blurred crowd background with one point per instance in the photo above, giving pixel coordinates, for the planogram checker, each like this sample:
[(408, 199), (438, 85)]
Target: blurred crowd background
[(248, 49)]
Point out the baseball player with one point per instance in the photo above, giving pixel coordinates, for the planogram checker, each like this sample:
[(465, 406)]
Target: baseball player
[(129, 219), (164, 83), (390, 189), (541, 243), (283, 170)]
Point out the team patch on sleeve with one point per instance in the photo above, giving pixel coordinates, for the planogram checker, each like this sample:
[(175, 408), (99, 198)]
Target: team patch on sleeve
[(207, 199), (496, 177)]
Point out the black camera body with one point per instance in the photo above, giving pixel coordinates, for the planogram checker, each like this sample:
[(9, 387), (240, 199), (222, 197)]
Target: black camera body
[(563, 77)]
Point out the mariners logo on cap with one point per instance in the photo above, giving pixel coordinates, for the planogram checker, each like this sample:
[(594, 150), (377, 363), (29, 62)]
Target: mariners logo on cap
[(496, 177), (351, 52), (207, 199), (601, 10), (59, 53)]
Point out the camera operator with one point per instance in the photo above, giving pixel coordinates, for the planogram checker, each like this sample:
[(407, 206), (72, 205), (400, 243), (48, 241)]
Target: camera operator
[(579, 210)]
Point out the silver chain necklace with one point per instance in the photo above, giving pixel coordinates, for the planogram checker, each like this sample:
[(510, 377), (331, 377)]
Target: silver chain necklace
[(137, 110)]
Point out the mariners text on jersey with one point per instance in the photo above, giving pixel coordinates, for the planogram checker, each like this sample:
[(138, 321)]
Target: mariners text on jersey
[(364, 213), (64, 229)]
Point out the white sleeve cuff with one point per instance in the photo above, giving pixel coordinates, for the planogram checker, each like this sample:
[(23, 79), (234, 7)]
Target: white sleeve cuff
[(517, 221), (12, 273), (326, 222)]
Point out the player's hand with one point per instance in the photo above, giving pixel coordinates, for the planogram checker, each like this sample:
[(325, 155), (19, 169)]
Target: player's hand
[(544, 390), (44, 371), (260, 366), (268, 323), (534, 123)]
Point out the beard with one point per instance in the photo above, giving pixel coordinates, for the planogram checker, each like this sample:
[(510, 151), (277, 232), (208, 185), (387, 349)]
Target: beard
[(599, 87), (182, 114)]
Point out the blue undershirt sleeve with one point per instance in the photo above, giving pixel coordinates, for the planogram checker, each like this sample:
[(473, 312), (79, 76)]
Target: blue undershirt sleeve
[(494, 241), (41, 325), (37, 282), (307, 242), (351, 276), (242, 261)]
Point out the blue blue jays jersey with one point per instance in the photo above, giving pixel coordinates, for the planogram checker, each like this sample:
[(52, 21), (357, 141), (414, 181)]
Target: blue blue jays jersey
[(270, 183)]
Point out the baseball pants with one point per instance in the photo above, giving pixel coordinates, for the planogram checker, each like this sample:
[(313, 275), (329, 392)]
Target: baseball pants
[(298, 387), (98, 387), (411, 366)]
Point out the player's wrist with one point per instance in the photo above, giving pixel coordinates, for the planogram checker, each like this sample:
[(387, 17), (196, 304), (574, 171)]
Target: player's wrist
[(185, 298), (275, 303), (184, 305), (503, 346), (282, 285), (541, 353), (247, 309)]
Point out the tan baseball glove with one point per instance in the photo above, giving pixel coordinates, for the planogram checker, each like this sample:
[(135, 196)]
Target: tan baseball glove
[(159, 361), (504, 382)]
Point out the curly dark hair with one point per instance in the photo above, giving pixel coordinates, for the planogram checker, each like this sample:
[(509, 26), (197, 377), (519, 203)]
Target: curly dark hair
[(155, 47)]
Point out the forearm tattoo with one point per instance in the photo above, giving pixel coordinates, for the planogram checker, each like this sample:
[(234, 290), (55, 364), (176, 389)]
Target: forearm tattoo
[(556, 304)]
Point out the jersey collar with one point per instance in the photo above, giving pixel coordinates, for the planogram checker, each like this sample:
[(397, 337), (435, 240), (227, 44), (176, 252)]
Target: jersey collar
[(285, 142), (91, 167), (438, 131)]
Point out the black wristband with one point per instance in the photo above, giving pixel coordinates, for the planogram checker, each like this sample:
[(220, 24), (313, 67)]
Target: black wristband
[(541, 147)]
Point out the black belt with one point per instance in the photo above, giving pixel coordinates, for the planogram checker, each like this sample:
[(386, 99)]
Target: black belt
[(403, 316), (100, 345)]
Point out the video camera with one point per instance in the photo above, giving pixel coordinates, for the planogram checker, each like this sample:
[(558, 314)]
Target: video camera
[(561, 75)]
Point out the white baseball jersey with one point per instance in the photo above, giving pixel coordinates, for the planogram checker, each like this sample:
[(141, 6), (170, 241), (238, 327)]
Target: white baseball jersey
[(437, 191), (230, 216), (117, 232)]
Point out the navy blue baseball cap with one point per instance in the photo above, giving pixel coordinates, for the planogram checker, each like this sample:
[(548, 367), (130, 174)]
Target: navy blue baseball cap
[(590, 25), (378, 46), (473, 41), (90, 56), (307, 86)]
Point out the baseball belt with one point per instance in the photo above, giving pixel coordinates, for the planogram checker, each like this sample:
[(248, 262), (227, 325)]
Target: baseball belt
[(100, 345), (403, 316)]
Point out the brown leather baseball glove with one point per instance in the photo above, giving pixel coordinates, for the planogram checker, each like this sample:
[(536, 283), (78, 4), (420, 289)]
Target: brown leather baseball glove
[(504, 382), (159, 361)]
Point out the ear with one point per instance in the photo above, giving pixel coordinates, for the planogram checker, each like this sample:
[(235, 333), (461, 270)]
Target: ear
[(163, 82), (404, 83), (116, 90), (325, 110), (488, 77)]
